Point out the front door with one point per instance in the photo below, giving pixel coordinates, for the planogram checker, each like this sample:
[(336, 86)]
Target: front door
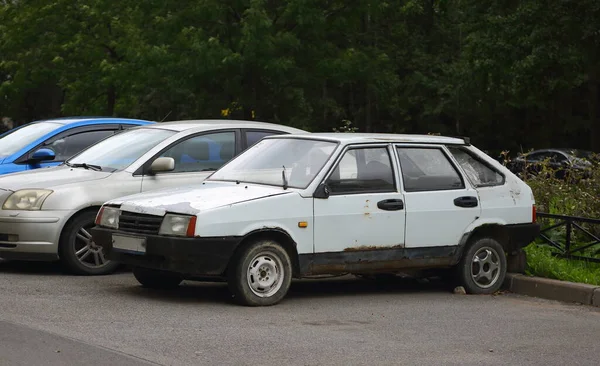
[(196, 158), (440, 205), (365, 209)]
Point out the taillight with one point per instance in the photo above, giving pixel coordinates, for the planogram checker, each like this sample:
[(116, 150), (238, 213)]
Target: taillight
[(191, 229), (99, 215), (533, 214)]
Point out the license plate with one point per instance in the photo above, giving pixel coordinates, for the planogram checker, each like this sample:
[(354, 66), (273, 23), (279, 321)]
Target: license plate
[(130, 244)]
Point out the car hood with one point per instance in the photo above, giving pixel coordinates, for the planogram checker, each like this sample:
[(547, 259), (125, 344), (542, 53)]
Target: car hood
[(49, 177), (194, 199)]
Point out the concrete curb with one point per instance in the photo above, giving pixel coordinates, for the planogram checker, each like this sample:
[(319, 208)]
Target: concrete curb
[(552, 289)]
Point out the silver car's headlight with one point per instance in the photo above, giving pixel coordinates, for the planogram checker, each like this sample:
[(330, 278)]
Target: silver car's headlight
[(178, 225), (108, 217), (26, 199)]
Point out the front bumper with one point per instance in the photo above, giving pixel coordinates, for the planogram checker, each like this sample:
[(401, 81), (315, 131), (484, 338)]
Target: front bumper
[(31, 235), (521, 235), (189, 256)]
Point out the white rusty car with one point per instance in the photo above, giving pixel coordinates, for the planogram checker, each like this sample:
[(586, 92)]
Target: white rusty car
[(298, 205)]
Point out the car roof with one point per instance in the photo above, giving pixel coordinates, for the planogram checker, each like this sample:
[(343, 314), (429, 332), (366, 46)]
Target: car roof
[(352, 138), (208, 124), (92, 120)]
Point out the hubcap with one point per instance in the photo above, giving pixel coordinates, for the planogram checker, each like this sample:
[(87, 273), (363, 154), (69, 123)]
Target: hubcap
[(87, 252), (485, 269), (265, 274)]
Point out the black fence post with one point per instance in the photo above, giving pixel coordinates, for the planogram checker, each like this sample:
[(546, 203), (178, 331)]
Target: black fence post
[(569, 227)]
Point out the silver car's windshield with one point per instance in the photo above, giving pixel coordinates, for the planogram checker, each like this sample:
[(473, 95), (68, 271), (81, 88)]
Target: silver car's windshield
[(18, 138), (285, 162), (119, 151)]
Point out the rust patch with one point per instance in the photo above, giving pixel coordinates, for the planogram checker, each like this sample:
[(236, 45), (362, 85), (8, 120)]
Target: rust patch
[(371, 247)]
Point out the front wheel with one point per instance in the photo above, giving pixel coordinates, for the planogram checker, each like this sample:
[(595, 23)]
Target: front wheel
[(78, 251), (156, 279), (260, 274), (483, 267)]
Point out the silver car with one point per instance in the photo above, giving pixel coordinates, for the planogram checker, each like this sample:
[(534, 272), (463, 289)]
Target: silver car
[(46, 214)]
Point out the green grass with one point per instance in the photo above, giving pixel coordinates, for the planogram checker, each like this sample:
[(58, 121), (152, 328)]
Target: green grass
[(543, 264)]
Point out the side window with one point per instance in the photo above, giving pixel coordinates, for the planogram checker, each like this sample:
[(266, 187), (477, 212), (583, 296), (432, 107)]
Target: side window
[(478, 173), (364, 170), (202, 153), (427, 169), (253, 137), (537, 157), (68, 146)]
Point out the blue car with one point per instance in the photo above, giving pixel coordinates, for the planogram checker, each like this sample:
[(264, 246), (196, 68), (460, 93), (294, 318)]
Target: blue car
[(50, 142)]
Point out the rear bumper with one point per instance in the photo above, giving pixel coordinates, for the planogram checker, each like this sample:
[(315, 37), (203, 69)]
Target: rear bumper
[(189, 256), (522, 235)]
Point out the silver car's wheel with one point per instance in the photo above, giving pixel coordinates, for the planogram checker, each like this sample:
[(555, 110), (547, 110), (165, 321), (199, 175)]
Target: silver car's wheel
[(77, 249), (87, 252)]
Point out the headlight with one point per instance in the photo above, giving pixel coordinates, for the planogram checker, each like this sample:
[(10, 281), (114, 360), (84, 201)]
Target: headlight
[(108, 217), (26, 199), (178, 225)]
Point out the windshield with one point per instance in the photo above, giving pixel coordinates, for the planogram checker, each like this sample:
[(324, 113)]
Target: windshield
[(119, 151), (284, 162), (18, 138)]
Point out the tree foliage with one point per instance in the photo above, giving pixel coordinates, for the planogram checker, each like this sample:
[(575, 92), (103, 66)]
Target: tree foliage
[(510, 74)]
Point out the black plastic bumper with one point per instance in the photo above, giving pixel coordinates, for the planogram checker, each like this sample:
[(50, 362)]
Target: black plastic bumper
[(522, 235), (191, 256)]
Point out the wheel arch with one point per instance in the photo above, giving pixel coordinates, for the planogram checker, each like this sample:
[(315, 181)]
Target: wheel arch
[(74, 216), (274, 233)]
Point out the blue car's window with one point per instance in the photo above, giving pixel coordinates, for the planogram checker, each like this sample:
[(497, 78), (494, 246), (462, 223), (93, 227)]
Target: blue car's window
[(66, 147), (202, 153), (21, 137), (119, 151)]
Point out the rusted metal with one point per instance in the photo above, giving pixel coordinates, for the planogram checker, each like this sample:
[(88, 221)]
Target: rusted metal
[(378, 260), (371, 247)]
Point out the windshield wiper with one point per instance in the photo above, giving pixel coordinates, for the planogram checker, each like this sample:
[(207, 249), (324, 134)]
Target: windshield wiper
[(84, 165), (285, 181)]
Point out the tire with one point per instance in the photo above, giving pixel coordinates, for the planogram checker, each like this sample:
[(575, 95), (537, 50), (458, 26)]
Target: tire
[(490, 254), (74, 240), (156, 279), (260, 274)]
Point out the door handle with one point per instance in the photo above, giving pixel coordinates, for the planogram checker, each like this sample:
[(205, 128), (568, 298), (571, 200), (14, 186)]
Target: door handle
[(466, 201), (390, 205)]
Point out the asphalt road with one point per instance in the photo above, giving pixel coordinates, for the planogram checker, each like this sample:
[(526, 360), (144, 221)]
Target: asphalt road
[(48, 318)]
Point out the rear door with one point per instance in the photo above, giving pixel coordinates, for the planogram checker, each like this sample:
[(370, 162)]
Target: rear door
[(440, 204), (196, 157)]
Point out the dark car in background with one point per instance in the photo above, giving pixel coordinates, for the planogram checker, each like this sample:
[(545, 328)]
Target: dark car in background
[(564, 162)]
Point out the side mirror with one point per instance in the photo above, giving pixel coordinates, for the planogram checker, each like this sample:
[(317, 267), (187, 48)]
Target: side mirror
[(322, 191), (163, 164), (42, 154)]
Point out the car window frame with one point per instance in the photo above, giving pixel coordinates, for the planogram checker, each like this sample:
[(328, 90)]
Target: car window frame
[(393, 165), (25, 158), (144, 169), (465, 182), (244, 132), (481, 161)]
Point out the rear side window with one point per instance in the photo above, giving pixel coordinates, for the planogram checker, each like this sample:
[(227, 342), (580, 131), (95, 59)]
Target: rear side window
[(253, 136), (427, 169), (478, 173)]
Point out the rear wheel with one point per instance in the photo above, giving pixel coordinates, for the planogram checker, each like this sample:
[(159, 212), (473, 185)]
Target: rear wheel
[(483, 267), (78, 251), (260, 274), (157, 279)]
